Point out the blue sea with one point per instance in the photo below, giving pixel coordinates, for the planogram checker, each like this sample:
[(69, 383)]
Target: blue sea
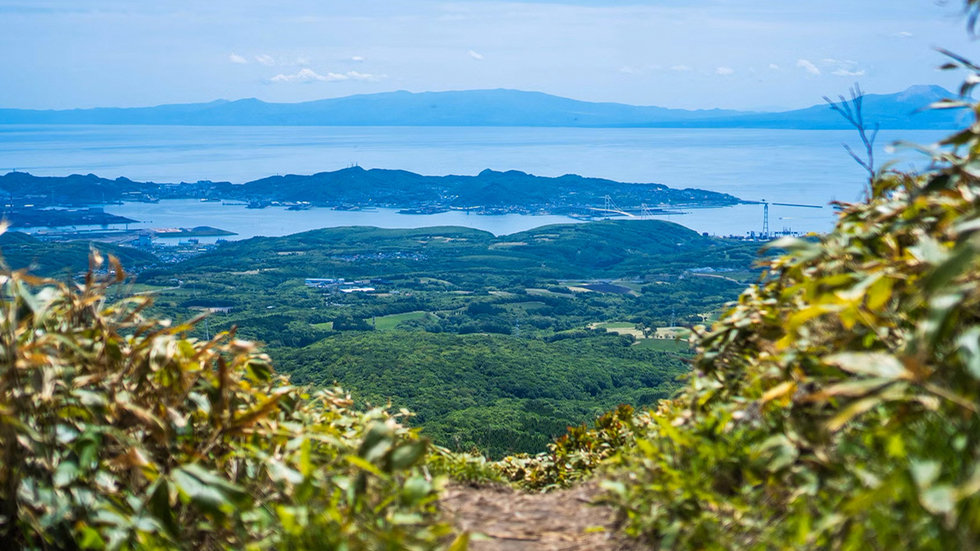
[(786, 166)]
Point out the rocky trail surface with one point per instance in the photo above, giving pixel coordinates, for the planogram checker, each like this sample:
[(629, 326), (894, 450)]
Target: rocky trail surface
[(502, 519)]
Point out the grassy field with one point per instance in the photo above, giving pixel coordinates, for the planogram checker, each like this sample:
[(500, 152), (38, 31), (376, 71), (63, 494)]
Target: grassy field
[(617, 325), (663, 345), (387, 323), (629, 284), (622, 328)]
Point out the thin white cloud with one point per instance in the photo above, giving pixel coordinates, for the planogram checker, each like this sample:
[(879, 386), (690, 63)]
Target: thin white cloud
[(774, 67), (302, 60), (354, 75), (843, 68), (357, 58), (631, 70), (304, 75), (474, 55), (724, 71), (266, 60), (903, 34), (808, 65), (309, 75), (680, 68), (235, 58)]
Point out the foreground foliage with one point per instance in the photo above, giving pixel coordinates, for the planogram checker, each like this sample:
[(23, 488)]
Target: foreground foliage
[(837, 405), (118, 433)]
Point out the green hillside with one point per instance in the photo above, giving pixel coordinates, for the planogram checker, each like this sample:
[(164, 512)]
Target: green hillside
[(20, 250), (592, 249), (508, 312)]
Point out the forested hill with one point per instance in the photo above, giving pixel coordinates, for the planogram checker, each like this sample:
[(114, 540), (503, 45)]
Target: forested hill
[(357, 186), (488, 188), (590, 249), (52, 259)]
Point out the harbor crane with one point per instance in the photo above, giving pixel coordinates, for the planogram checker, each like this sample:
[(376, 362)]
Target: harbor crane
[(765, 212)]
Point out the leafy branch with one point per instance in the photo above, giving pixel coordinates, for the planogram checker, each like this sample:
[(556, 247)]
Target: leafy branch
[(852, 111)]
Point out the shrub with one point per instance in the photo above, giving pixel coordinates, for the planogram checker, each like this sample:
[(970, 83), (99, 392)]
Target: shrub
[(837, 404), (119, 433), (573, 456)]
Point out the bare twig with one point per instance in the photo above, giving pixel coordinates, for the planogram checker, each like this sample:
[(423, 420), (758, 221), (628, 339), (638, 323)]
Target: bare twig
[(852, 113)]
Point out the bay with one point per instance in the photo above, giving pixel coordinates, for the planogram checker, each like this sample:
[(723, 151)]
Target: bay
[(786, 166)]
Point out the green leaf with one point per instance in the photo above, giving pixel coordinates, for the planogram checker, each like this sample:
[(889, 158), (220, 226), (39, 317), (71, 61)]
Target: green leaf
[(194, 491), (65, 434), (407, 454), (209, 491), (939, 500), (91, 539), (853, 410), (957, 263), (376, 442), (779, 452), (461, 543), (929, 250), (305, 457), (259, 370), (66, 473), (968, 348), (279, 472), (159, 507), (880, 293), (616, 487), (87, 448), (924, 473), (365, 465), (853, 388), (941, 308), (875, 364), (416, 489)]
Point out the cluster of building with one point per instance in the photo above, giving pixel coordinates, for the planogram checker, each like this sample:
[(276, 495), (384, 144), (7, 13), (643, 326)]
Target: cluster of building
[(339, 285), (379, 256)]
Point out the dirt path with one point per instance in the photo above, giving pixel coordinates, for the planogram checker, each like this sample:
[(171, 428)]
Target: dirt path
[(516, 521)]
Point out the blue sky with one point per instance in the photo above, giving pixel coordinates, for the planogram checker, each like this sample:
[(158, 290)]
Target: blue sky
[(744, 54)]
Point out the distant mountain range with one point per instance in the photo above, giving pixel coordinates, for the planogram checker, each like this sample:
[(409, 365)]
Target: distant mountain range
[(498, 108)]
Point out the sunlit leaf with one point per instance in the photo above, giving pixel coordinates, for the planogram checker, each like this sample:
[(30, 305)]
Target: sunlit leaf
[(875, 364)]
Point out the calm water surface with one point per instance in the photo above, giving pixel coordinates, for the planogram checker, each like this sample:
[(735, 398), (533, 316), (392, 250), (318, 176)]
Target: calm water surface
[(791, 166)]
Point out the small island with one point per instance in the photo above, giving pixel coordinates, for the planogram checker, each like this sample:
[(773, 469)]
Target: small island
[(29, 216)]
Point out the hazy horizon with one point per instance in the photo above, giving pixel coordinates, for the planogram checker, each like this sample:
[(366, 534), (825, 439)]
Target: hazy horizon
[(235, 99), (700, 54)]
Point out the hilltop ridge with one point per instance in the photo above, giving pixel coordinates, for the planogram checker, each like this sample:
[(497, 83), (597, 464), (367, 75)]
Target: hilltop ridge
[(513, 190), (499, 107)]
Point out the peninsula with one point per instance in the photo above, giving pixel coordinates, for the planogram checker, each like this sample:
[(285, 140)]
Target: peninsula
[(489, 192)]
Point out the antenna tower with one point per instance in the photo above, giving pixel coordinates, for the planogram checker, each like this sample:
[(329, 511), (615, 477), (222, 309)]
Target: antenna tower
[(765, 219)]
